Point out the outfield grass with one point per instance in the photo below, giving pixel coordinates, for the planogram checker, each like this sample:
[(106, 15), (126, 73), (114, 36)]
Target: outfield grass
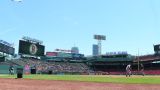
[(94, 78)]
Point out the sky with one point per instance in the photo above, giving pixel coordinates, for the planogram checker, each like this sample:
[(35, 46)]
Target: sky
[(129, 25)]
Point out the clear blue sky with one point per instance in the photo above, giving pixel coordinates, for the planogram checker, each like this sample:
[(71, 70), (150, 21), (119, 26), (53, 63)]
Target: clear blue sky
[(129, 25)]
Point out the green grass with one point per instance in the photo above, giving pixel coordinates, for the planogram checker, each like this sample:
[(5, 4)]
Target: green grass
[(94, 78)]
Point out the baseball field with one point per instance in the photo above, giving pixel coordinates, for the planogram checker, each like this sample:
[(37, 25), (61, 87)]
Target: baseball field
[(79, 82)]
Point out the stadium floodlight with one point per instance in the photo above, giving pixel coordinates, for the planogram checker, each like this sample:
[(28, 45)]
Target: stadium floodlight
[(99, 38)]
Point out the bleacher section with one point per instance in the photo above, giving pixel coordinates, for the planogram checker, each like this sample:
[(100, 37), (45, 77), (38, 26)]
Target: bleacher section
[(150, 57), (53, 67), (102, 65)]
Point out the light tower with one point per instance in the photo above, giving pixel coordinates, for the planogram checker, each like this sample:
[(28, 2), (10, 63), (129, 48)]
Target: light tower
[(99, 38)]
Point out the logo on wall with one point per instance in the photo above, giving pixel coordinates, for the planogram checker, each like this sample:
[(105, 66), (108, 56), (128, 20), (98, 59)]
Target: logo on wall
[(33, 49)]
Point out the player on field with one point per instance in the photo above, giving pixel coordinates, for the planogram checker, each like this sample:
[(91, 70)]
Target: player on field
[(11, 70), (142, 69), (128, 70)]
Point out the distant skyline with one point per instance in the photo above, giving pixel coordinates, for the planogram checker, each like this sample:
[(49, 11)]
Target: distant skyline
[(129, 25)]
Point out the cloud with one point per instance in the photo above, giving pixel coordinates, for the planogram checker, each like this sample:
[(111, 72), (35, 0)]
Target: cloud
[(17, 0)]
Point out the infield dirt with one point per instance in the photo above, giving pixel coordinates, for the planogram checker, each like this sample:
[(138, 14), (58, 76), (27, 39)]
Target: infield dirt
[(26, 84)]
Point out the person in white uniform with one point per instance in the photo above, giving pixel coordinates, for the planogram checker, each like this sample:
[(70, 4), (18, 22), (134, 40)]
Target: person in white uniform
[(128, 70)]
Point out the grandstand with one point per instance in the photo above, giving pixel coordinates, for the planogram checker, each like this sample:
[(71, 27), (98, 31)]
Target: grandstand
[(115, 64), (60, 67), (94, 65), (104, 64)]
